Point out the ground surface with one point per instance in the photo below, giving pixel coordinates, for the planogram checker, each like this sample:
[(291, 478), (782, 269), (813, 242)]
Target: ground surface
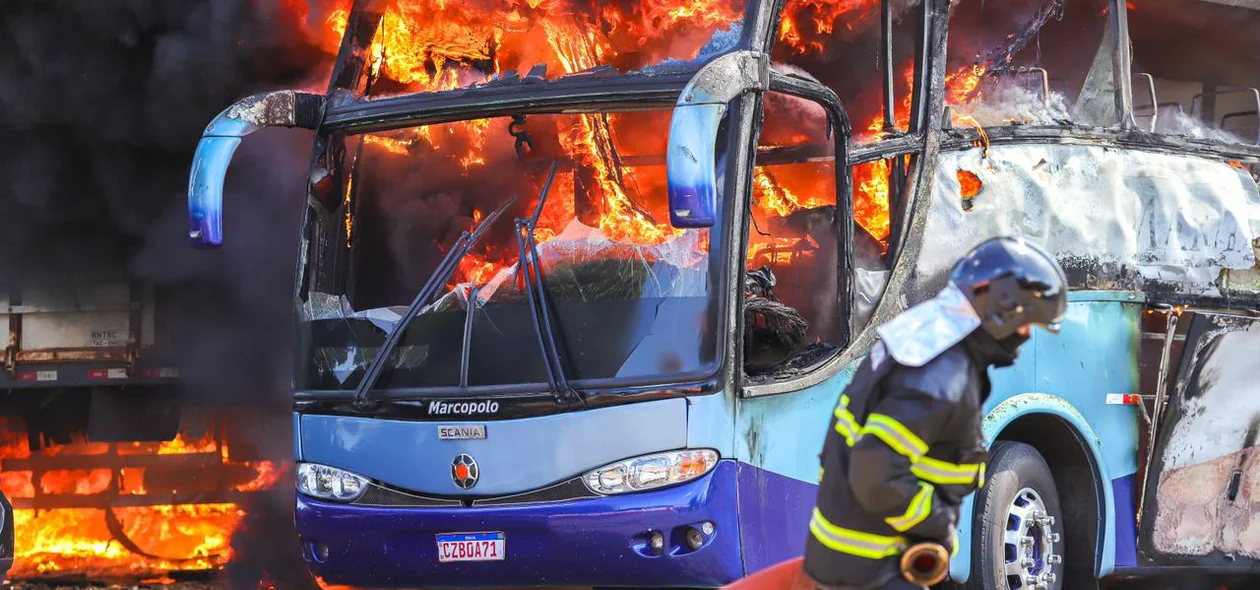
[(58, 586), (37, 585), (1182, 584)]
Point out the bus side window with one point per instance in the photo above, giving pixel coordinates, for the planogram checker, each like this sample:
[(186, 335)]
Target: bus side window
[(1017, 63), (1206, 88), (793, 315)]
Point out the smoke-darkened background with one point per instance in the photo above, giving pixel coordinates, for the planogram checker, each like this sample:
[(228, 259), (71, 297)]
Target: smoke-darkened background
[(101, 106)]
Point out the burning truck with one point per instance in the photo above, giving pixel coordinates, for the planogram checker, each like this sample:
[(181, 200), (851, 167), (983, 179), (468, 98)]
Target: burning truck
[(579, 282), (108, 474)]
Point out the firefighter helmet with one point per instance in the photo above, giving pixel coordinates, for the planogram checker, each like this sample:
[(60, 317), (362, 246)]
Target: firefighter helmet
[(1012, 282)]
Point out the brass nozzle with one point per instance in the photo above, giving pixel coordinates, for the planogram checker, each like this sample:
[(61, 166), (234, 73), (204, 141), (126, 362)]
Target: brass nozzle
[(925, 564)]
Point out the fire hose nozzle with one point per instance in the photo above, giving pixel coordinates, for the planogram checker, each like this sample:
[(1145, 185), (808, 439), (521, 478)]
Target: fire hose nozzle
[(925, 564)]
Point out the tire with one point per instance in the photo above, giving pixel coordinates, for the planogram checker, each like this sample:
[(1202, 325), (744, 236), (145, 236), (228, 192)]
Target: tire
[(1017, 534)]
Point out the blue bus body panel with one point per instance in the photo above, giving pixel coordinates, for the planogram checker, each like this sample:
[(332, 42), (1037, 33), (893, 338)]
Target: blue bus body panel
[(582, 542), (779, 439), (516, 455), (774, 516), (711, 423), (1069, 376)]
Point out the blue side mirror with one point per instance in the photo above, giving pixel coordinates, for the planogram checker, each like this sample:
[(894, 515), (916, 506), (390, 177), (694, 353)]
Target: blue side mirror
[(690, 159), (283, 108)]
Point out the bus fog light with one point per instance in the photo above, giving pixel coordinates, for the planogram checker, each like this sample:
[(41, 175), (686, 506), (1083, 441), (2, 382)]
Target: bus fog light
[(707, 528), (658, 541), (651, 471), (695, 540), (329, 483)]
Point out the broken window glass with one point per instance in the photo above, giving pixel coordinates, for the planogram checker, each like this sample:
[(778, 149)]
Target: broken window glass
[(792, 308), (1195, 70), (838, 45), (1031, 62), (632, 298)]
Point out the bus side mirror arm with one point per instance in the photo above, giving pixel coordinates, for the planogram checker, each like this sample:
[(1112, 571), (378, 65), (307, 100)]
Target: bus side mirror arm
[(690, 159), (282, 108)]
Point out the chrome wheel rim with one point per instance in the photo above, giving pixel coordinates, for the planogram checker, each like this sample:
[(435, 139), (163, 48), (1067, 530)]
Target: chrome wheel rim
[(1029, 543)]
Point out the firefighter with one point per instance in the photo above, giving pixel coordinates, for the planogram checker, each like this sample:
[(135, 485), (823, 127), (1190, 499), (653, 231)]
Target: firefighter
[(904, 445)]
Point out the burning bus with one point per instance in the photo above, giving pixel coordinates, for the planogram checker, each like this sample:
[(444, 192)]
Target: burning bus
[(580, 282)]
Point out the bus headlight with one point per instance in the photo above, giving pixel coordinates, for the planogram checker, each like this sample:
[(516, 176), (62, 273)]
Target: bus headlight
[(329, 483), (651, 471)]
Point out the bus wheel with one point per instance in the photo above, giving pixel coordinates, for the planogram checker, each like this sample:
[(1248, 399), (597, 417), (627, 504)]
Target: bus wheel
[(1018, 539)]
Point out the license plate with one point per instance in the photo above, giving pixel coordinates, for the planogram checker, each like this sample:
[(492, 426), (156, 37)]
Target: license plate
[(471, 547)]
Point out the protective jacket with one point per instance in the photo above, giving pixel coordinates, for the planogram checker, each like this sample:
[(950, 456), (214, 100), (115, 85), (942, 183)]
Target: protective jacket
[(902, 450)]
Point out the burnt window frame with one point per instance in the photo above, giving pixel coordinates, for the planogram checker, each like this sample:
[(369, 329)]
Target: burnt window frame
[(349, 111), (1211, 90), (333, 271), (917, 147), (1127, 135), (841, 135), (928, 136), (1116, 26)]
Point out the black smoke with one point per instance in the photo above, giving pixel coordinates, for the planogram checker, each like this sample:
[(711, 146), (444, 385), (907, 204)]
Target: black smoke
[(101, 106)]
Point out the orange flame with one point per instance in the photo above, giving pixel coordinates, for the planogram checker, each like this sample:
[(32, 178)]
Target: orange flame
[(970, 183), (806, 23), (326, 586), (870, 202), (66, 541), (77, 540), (870, 180), (440, 44)]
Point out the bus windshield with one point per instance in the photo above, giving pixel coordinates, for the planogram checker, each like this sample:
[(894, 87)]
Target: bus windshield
[(632, 299)]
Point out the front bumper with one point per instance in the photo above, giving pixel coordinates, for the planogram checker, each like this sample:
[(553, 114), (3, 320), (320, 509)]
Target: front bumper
[(589, 542)]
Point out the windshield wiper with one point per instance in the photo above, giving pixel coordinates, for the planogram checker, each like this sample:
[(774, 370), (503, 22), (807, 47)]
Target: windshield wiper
[(538, 305), (439, 277)]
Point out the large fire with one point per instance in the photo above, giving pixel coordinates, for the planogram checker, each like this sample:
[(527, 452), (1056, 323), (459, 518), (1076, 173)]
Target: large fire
[(442, 44), (89, 538), (426, 45), (437, 44)]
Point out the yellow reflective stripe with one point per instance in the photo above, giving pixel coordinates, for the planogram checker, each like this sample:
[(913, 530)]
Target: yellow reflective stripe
[(846, 423), (953, 545), (854, 542), (820, 473), (895, 435), (944, 472), (902, 440), (919, 508), (846, 432)]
